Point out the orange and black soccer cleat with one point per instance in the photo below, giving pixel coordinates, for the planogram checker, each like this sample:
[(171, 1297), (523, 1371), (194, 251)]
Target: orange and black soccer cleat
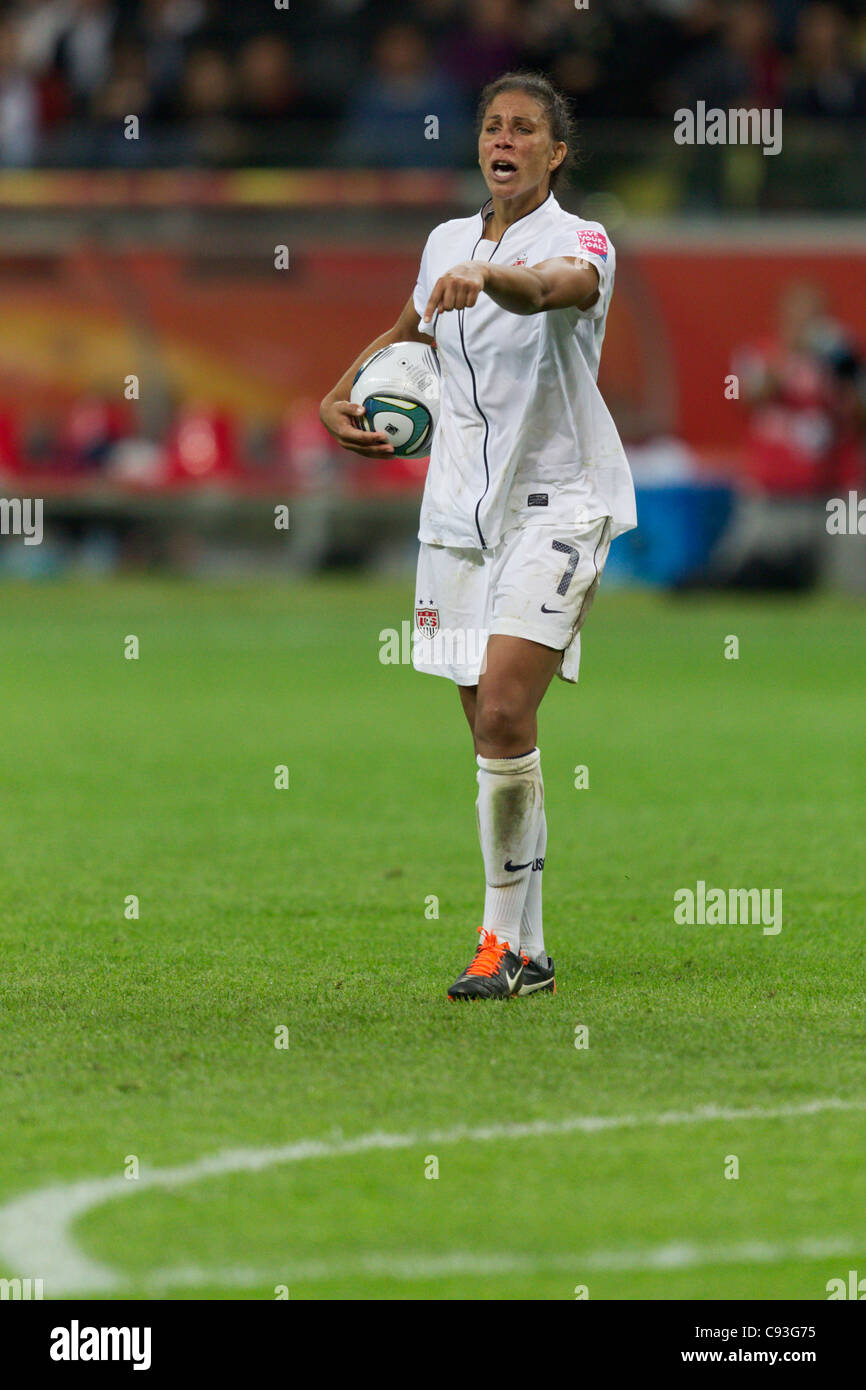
[(495, 972), (537, 977)]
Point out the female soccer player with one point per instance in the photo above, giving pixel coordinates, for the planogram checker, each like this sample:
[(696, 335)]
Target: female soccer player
[(527, 484)]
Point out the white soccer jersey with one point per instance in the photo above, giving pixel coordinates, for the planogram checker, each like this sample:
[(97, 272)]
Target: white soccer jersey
[(523, 435)]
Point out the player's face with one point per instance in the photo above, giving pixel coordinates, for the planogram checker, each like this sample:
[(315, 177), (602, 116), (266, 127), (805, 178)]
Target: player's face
[(515, 149)]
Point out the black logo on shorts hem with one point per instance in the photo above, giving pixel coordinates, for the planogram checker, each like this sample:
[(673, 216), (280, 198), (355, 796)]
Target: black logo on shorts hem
[(537, 499)]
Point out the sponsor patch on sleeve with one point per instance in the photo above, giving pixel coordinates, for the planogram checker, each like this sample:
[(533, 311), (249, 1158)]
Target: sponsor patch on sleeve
[(593, 242)]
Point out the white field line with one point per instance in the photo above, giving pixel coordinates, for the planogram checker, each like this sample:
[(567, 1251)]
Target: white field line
[(679, 1255), (35, 1229)]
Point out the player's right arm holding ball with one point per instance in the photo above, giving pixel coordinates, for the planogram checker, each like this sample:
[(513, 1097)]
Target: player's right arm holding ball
[(338, 413)]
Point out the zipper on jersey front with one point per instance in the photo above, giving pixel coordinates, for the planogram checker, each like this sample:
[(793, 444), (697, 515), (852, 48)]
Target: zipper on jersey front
[(460, 313), (486, 426)]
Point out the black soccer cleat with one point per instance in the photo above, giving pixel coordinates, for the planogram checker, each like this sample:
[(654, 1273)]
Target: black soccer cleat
[(495, 972), (537, 977)]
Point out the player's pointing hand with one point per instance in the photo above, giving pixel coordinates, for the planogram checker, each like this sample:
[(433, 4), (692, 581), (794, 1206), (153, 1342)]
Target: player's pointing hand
[(458, 288)]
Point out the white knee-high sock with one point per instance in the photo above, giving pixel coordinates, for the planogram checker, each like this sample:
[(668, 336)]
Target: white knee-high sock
[(510, 802), (531, 929)]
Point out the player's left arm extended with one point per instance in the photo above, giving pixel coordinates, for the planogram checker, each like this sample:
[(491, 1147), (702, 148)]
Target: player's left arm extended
[(561, 283)]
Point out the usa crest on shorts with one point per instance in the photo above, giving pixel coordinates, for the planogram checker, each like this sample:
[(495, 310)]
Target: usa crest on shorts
[(427, 620)]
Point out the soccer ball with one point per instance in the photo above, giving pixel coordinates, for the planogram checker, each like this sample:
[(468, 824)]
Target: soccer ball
[(398, 386)]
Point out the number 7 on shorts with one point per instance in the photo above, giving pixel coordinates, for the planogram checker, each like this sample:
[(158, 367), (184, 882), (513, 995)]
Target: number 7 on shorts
[(568, 574)]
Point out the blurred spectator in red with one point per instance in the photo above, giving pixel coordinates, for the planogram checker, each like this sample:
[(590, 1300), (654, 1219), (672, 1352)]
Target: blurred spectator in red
[(801, 387), (92, 426), (40, 27), (847, 367), (825, 78)]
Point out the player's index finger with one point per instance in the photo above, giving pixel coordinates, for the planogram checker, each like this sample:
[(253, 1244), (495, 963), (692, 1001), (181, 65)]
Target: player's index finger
[(435, 300)]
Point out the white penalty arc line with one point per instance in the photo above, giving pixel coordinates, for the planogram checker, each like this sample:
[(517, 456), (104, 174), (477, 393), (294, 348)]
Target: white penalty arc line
[(35, 1229)]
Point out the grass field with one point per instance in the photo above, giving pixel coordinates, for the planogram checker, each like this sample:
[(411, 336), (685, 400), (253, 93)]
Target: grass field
[(305, 908)]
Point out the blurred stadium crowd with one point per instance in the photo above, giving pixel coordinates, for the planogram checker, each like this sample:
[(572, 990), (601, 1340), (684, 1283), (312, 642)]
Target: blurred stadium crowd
[(349, 81), (233, 359)]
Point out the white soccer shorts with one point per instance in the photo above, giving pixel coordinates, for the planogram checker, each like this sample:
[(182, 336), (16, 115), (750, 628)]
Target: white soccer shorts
[(537, 583)]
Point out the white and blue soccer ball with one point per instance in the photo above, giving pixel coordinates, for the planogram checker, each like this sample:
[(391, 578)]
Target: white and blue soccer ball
[(398, 386)]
